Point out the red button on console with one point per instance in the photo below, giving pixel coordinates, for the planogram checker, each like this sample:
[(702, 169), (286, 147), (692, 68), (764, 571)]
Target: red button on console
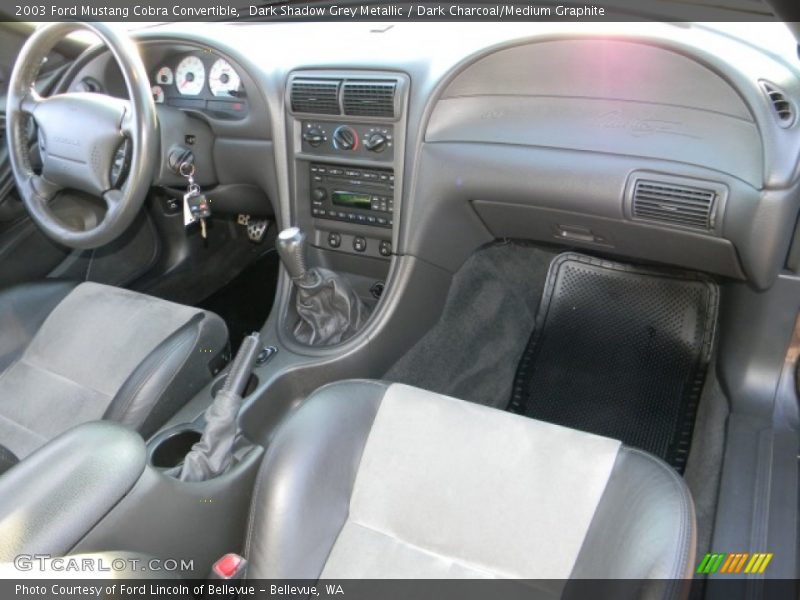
[(227, 566)]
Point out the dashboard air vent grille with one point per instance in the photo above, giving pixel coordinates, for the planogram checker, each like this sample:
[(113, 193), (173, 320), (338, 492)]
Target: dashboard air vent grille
[(316, 96), (674, 204), (780, 104), (369, 98)]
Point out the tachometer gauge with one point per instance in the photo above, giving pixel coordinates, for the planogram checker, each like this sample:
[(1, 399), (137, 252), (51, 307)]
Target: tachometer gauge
[(223, 80), (165, 76), (158, 94), (190, 76)]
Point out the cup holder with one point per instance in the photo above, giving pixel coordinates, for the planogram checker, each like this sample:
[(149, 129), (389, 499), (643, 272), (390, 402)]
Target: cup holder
[(169, 448), (251, 386)]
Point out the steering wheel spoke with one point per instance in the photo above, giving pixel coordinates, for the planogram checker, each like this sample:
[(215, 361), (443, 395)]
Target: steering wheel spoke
[(30, 102), (42, 189), (127, 125), (113, 199)]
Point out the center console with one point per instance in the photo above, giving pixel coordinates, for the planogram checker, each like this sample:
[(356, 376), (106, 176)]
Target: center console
[(347, 140)]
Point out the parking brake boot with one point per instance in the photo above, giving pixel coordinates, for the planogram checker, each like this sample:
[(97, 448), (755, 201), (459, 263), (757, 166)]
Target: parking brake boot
[(213, 454)]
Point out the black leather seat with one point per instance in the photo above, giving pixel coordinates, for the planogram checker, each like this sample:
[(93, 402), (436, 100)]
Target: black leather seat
[(71, 353)]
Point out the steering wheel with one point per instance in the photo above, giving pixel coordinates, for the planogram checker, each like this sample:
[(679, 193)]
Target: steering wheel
[(85, 139)]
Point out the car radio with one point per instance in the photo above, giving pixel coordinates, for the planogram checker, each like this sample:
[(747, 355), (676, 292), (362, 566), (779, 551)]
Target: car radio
[(363, 196)]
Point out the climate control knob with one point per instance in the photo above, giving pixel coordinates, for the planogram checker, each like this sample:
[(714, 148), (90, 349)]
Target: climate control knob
[(376, 142), (345, 138), (314, 136)]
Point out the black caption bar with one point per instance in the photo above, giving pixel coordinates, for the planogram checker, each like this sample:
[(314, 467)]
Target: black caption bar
[(385, 589), (544, 10)]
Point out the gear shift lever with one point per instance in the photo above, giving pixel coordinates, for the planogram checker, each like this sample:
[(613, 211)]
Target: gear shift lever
[(329, 309), (291, 247)]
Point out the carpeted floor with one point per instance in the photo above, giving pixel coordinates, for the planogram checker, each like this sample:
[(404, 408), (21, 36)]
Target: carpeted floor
[(473, 351)]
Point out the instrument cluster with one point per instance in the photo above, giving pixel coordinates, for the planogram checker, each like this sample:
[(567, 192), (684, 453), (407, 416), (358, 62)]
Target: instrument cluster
[(200, 81)]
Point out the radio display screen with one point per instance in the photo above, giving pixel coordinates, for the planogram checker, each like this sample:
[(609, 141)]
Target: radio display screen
[(351, 199)]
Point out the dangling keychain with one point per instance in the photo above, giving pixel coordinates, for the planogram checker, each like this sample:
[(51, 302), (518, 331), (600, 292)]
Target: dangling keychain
[(195, 203)]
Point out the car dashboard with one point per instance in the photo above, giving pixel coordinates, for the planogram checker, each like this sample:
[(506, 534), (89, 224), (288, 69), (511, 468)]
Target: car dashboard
[(670, 144)]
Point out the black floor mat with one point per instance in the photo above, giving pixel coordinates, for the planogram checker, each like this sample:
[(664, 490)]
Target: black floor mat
[(245, 302), (619, 351)]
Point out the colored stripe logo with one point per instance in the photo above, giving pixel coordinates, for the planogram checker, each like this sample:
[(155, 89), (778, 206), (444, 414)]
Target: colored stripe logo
[(734, 562)]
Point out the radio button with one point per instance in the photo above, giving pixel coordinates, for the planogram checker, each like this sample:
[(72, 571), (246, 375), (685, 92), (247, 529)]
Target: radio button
[(359, 244)]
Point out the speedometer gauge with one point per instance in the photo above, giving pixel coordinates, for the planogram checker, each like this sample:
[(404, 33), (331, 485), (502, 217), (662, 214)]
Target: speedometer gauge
[(223, 80), (190, 76)]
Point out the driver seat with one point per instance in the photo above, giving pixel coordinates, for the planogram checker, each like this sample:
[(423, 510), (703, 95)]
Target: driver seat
[(71, 353)]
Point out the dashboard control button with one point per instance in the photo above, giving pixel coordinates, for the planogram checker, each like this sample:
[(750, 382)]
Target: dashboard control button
[(334, 239), (385, 248), (359, 244), (319, 194)]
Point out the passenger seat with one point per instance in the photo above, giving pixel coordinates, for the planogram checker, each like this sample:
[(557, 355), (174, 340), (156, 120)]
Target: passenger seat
[(377, 480)]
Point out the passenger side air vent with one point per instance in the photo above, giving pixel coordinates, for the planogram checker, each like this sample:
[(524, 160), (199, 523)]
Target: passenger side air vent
[(316, 96), (674, 204), (369, 98), (783, 108)]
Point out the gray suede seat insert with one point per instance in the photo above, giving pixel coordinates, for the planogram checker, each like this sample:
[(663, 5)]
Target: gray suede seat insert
[(81, 357)]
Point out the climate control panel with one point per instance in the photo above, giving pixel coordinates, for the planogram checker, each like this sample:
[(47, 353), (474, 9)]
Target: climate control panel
[(354, 194), (356, 140)]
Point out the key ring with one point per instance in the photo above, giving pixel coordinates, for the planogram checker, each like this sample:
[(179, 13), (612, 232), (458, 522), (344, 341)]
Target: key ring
[(186, 170)]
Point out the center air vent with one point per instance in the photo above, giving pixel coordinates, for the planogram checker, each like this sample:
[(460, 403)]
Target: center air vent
[(674, 204), (780, 104), (362, 98), (315, 96)]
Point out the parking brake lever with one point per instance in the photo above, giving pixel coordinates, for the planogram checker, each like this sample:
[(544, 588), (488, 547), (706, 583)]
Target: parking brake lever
[(213, 454)]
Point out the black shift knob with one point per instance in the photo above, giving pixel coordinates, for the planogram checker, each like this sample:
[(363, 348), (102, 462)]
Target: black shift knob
[(291, 247)]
